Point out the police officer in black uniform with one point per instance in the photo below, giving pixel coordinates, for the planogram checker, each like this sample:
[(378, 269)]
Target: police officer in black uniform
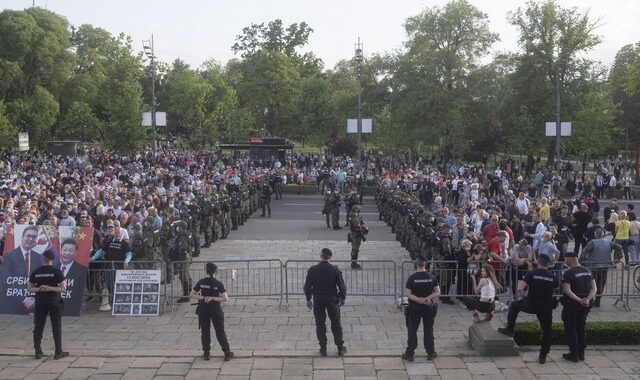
[(541, 283), (579, 292), (325, 283), (210, 292), (421, 289), (47, 283)]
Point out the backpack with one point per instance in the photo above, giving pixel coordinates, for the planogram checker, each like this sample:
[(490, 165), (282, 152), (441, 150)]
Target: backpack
[(138, 247)]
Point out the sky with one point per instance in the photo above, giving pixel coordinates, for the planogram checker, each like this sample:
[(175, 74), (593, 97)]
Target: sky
[(198, 30)]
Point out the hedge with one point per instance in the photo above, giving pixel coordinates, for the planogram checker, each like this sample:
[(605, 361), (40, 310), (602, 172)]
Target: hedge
[(598, 333)]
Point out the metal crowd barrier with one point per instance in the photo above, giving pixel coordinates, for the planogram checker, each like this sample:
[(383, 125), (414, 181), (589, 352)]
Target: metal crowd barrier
[(376, 278), (274, 279), (611, 279), (101, 275), (632, 285), (241, 278)]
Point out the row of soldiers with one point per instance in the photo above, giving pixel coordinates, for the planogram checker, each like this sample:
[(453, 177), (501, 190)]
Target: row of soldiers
[(212, 213), (419, 231)]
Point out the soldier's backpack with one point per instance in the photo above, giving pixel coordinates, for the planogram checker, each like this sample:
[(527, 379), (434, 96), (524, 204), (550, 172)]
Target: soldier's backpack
[(139, 248)]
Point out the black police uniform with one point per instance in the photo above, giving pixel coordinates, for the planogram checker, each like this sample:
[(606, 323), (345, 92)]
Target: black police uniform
[(574, 314), (211, 312), (421, 285), (539, 301), (47, 303), (325, 283)]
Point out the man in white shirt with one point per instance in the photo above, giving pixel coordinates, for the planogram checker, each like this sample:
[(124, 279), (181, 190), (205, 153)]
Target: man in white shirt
[(539, 230), (522, 203), (612, 186)]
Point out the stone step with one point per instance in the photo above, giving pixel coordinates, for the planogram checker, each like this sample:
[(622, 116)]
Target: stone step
[(485, 339)]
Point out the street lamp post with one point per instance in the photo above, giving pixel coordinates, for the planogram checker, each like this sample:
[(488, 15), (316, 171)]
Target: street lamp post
[(147, 45), (359, 58)]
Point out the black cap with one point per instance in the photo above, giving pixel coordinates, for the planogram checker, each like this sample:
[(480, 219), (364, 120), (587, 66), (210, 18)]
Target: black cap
[(570, 254), (421, 258), (49, 254)]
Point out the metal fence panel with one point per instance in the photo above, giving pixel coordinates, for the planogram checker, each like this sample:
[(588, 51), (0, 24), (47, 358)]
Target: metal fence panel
[(241, 278), (376, 278)]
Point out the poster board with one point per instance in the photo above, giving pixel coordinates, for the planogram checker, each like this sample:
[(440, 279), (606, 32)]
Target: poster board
[(71, 245), (136, 292)]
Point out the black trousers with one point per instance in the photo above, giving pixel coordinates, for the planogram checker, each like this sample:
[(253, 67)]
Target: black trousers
[(321, 307), (545, 318), (206, 316), (574, 317), (413, 318), (600, 275), (474, 303), (464, 283), (53, 308)]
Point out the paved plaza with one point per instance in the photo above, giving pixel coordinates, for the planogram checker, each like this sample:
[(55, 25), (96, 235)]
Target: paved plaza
[(275, 339)]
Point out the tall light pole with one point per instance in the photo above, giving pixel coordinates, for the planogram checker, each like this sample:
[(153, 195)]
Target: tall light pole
[(558, 89), (359, 59), (147, 45)]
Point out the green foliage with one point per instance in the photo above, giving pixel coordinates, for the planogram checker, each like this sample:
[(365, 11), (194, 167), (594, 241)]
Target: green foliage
[(80, 124), (8, 133), (598, 333), (34, 114), (624, 79), (273, 37), (439, 93), (429, 96), (552, 39), (317, 111)]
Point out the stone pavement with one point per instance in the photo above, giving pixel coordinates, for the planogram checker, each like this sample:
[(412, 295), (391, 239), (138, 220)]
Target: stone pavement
[(601, 364)]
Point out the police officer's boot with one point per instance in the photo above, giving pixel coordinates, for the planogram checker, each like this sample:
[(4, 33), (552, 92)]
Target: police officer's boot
[(206, 355), (323, 351), (228, 356), (39, 353)]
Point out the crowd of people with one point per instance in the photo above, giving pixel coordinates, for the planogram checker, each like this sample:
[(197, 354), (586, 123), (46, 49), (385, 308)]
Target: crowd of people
[(488, 231)]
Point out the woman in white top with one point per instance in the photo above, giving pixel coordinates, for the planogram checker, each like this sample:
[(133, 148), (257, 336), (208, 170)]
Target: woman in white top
[(486, 287)]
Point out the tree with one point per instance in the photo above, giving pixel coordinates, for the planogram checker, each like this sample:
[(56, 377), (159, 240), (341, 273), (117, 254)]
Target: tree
[(270, 84), (120, 100), (8, 133), (185, 92), (273, 37), (553, 38), (428, 80), (34, 114), (317, 111), (624, 78)]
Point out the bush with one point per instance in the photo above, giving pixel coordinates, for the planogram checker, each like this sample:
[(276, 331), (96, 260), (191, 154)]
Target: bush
[(598, 333)]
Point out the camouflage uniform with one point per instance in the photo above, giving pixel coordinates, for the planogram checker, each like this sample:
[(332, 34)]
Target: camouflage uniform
[(181, 254), (357, 235)]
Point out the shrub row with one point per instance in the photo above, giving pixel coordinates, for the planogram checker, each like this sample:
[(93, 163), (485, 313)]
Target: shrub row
[(598, 333)]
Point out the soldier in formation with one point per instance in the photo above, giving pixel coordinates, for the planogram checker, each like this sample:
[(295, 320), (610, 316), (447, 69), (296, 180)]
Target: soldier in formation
[(265, 198), (357, 234)]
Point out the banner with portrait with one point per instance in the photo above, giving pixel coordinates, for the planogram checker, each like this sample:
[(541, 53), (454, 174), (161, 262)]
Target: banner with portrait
[(22, 254)]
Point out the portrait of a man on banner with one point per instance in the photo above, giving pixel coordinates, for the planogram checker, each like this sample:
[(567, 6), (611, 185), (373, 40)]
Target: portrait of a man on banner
[(23, 249)]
